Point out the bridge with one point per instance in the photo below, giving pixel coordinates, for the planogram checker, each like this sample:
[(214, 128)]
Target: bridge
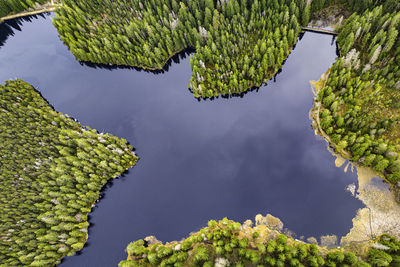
[(318, 30)]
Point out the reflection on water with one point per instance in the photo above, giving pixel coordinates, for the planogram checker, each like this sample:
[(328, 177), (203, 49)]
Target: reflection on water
[(233, 158)]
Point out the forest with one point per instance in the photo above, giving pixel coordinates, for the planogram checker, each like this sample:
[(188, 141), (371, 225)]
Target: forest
[(359, 101), (228, 243), (54, 169), (239, 44), (8, 7)]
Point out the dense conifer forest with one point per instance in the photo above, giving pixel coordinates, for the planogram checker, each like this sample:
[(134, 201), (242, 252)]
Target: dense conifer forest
[(228, 243), (8, 7), (360, 108), (52, 170), (239, 44)]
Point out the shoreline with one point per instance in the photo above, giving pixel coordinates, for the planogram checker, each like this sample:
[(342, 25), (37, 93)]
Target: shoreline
[(315, 111), (315, 118), (381, 209)]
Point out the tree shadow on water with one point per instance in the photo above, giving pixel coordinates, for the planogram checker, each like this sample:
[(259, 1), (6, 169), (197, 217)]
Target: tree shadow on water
[(176, 59), (8, 27)]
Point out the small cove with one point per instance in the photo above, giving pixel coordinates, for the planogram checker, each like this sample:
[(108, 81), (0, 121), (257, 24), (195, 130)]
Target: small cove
[(202, 160)]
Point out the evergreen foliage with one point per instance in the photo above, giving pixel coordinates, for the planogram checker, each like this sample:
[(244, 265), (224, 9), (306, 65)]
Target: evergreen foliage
[(8, 7), (387, 253), (357, 5), (360, 100), (239, 44), (52, 170), (228, 243)]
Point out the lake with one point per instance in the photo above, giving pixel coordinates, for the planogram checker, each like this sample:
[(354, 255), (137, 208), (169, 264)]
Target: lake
[(200, 160)]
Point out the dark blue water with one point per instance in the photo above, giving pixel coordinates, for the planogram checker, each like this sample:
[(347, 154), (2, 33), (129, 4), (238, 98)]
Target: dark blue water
[(203, 160)]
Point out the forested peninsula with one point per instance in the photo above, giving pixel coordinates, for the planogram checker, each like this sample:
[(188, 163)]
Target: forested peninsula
[(239, 44), (52, 172)]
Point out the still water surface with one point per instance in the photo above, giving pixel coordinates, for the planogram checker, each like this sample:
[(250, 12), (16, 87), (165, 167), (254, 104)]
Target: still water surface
[(202, 160)]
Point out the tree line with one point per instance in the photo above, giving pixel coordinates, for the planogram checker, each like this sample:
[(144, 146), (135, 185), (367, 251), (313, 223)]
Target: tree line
[(8, 7), (52, 170), (228, 243)]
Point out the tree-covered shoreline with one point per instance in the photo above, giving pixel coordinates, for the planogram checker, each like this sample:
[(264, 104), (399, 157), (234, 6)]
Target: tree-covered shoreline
[(239, 44), (228, 243), (52, 172), (359, 102)]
